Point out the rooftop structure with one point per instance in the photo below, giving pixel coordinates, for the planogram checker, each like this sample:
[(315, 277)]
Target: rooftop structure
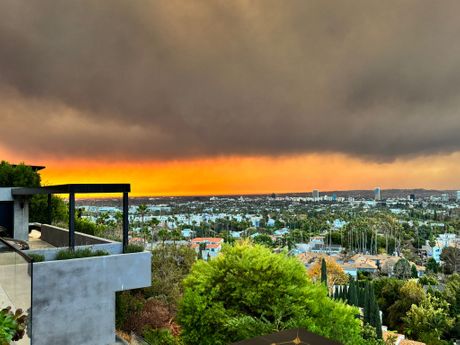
[(68, 301), (209, 247)]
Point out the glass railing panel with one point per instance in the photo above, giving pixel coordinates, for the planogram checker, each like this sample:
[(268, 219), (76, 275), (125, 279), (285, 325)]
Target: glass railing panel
[(16, 283)]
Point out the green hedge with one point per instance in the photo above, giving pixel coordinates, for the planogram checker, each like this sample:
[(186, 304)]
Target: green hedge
[(36, 257), (67, 254)]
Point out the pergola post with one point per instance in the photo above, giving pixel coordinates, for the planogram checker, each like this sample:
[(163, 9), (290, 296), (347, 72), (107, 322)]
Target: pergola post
[(125, 221), (72, 221)]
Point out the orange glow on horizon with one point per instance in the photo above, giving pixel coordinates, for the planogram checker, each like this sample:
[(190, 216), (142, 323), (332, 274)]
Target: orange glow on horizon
[(253, 175), (258, 175)]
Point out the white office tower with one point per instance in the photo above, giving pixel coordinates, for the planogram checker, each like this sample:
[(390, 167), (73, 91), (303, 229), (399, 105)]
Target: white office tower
[(315, 194), (377, 195), (458, 195)]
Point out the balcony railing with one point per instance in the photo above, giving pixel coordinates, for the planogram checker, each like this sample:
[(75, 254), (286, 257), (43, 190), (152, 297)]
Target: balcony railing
[(16, 290)]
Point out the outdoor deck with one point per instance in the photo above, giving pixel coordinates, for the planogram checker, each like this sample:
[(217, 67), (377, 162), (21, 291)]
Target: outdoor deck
[(36, 243)]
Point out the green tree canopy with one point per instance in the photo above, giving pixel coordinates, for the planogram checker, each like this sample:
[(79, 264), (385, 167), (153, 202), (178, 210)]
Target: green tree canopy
[(432, 266), (410, 293), (19, 175), (22, 175), (402, 269), (452, 296), (428, 320), (249, 291), (263, 239), (451, 258)]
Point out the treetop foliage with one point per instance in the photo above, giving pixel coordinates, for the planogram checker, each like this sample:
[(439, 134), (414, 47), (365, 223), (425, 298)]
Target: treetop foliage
[(249, 291), (20, 175), (329, 269)]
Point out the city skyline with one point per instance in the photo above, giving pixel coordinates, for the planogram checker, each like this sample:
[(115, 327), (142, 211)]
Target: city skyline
[(240, 97)]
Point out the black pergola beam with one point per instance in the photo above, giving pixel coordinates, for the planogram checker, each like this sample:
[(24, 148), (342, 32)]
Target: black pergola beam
[(82, 188)]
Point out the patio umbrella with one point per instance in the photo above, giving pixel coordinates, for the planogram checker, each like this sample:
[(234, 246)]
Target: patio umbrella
[(296, 336)]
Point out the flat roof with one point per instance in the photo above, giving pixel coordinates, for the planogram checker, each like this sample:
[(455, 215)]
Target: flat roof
[(82, 188), (34, 167)]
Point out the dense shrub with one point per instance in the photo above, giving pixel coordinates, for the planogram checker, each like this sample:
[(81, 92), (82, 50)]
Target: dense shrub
[(127, 304), (38, 209), (170, 265), (36, 257), (86, 226), (153, 314), (160, 337), (20, 175), (67, 254), (249, 291), (134, 248)]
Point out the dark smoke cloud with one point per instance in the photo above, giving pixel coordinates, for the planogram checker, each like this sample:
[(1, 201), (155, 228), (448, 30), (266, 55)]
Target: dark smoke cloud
[(173, 79)]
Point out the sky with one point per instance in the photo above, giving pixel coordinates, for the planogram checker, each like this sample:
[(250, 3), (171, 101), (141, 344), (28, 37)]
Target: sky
[(233, 97)]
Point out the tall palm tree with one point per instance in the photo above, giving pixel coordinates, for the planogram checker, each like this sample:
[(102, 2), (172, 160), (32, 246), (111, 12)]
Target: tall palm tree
[(154, 224), (141, 211)]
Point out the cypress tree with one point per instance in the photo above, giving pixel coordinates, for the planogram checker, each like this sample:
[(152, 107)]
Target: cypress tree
[(378, 324), (360, 295), (353, 294), (323, 272), (371, 306), (414, 271), (366, 299), (349, 292), (375, 313), (345, 293)]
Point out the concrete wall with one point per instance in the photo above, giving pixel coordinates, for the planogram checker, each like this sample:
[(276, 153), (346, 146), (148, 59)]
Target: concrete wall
[(74, 300), (5, 194), (59, 237), (21, 219)]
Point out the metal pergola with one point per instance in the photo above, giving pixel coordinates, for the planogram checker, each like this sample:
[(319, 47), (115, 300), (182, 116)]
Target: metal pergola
[(84, 188)]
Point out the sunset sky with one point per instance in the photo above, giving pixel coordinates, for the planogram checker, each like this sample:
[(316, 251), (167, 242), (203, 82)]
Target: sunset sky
[(231, 97)]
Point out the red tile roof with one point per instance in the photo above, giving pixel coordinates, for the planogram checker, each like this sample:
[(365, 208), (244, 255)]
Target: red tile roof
[(208, 240), (213, 245)]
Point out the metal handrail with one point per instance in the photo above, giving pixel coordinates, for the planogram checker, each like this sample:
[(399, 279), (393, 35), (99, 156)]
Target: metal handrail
[(16, 250)]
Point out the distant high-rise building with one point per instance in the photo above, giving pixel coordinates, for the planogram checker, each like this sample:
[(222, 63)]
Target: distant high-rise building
[(377, 194), (458, 195), (334, 197), (445, 197), (412, 197), (315, 194)]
